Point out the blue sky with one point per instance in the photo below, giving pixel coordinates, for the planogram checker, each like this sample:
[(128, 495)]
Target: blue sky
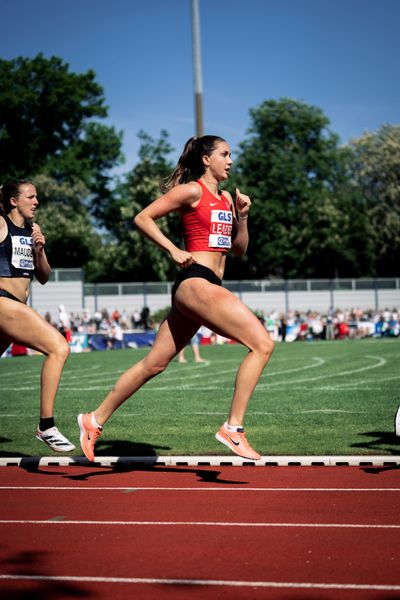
[(339, 55)]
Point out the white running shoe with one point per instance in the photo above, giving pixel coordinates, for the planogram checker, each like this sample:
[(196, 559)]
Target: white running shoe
[(55, 440), (397, 422)]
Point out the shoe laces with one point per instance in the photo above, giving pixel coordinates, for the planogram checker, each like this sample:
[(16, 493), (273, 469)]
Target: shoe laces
[(94, 434), (244, 440)]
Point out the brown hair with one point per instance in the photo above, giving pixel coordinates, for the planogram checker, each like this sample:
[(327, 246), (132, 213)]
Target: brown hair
[(11, 189), (190, 166)]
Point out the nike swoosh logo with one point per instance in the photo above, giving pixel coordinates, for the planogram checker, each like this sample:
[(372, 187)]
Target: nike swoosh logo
[(233, 441), (213, 203)]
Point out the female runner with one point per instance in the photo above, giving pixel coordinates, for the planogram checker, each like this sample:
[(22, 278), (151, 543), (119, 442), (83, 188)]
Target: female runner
[(22, 256), (212, 225)]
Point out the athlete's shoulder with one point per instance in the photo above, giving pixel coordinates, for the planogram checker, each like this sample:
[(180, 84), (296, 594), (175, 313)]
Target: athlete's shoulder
[(3, 228), (188, 194), (3, 221), (226, 195), (195, 189)]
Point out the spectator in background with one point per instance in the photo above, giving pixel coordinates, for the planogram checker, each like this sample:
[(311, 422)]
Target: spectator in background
[(330, 325), (97, 319), (64, 323), (124, 320), (63, 317), (145, 318), (48, 318), (18, 350), (116, 315), (115, 336), (136, 319), (283, 328), (316, 326), (194, 343), (342, 330)]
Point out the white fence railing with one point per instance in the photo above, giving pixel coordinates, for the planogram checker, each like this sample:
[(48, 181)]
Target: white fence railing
[(68, 288)]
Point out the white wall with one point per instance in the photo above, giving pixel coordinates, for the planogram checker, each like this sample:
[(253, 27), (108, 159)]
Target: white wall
[(49, 297)]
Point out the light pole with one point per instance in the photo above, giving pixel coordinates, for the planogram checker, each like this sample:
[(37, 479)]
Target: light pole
[(198, 84)]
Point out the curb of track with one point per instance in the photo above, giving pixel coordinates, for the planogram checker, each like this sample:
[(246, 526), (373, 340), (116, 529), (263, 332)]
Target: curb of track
[(199, 461)]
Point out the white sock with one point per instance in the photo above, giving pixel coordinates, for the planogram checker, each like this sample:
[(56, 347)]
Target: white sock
[(94, 422), (233, 428)]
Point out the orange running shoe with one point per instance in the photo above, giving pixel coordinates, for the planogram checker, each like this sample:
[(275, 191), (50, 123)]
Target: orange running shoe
[(89, 434), (237, 442)]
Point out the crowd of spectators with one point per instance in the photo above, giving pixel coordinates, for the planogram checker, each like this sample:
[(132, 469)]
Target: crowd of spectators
[(335, 324)]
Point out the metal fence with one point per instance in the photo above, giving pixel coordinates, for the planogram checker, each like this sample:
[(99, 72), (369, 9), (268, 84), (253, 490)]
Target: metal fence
[(67, 286), (266, 294)]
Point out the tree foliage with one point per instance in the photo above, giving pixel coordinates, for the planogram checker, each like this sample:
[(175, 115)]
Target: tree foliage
[(376, 171), (47, 126), (129, 255), (319, 209), (297, 176), (71, 240)]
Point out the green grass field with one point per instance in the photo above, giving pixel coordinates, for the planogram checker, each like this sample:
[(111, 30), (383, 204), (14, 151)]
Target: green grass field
[(315, 398)]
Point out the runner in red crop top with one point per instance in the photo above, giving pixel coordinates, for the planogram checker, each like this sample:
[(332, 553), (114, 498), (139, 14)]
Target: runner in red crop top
[(208, 226), (212, 225)]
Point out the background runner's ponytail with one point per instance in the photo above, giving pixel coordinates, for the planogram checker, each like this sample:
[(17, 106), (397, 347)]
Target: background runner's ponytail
[(190, 166)]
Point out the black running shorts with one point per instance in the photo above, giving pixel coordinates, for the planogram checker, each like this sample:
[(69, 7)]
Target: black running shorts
[(195, 270), (5, 294)]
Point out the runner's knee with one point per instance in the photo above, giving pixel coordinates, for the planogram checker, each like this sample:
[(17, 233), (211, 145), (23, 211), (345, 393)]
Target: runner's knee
[(155, 368), (265, 346), (61, 351)]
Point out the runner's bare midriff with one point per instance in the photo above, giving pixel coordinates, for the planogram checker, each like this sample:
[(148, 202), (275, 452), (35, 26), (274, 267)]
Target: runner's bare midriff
[(213, 260), (17, 286)]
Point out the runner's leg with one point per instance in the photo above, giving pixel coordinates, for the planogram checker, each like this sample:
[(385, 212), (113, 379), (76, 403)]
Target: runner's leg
[(23, 325), (223, 312), (174, 333)]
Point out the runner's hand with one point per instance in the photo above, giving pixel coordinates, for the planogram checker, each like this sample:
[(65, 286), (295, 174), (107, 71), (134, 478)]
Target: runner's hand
[(38, 238), (182, 258), (243, 204)]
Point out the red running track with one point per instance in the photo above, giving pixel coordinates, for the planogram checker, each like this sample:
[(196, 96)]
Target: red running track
[(200, 532)]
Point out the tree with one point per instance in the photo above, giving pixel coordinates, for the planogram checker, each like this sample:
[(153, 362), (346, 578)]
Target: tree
[(130, 256), (71, 240), (376, 170), (46, 124), (297, 176)]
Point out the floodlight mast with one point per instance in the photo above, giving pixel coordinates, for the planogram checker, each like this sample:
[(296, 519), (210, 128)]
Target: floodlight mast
[(198, 84)]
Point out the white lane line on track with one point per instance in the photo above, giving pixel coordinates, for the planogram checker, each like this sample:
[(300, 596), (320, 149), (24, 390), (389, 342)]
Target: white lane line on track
[(191, 489), (150, 388), (110, 376), (199, 524), (175, 376), (209, 461), (73, 374), (380, 362), (206, 582), (204, 413)]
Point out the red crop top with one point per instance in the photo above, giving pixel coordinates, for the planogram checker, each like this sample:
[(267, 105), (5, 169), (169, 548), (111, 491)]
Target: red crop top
[(208, 226)]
